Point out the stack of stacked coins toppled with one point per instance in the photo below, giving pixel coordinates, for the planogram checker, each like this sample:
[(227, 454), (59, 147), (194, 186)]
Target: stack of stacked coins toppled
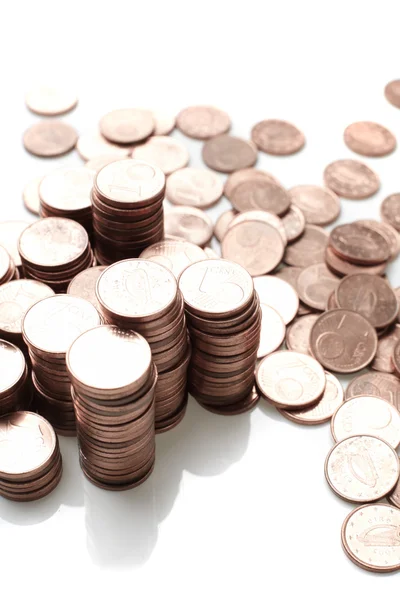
[(53, 250), (49, 328), (8, 270), (143, 296), (113, 381), (15, 389), (224, 322), (30, 459), (128, 213)]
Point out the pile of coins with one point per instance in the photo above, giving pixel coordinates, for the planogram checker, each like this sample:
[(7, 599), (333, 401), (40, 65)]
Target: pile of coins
[(15, 392), (143, 296), (49, 328), (8, 269), (113, 379), (30, 459), (224, 322), (84, 285)]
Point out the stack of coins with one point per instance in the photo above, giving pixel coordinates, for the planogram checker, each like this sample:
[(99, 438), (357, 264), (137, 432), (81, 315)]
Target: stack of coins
[(14, 384), (113, 381), (8, 270), (143, 295), (30, 459), (224, 322), (54, 250), (49, 328), (128, 216)]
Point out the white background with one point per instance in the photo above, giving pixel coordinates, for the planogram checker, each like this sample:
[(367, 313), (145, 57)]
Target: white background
[(237, 507)]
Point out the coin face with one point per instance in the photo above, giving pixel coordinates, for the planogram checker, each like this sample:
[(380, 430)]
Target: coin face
[(351, 179), (260, 194), (343, 341), (10, 232), (93, 145), (272, 331), (396, 358), (386, 344), (200, 188), (192, 224), (298, 334), (84, 285), (130, 182), (12, 366), (31, 196), (222, 224), (164, 122), (243, 175), (127, 125), (176, 255), (383, 385), (16, 297), (67, 189), (50, 138), (227, 153), (315, 284), (392, 92), (387, 231), (309, 249), (277, 137), (369, 139), (203, 122), (50, 101), (320, 206), (278, 294), (290, 379), (359, 244), (367, 415), (390, 210), (165, 152), (264, 217), (362, 468), (294, 223)]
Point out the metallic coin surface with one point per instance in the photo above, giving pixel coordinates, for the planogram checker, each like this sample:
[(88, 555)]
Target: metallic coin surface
[(367, 415), (383, 385), (394, 497), (315, 284), (390, 210), (164, 122), (200, 188), (387, 231), (16, 297), (243, 175), (392, 92), (12, 366), (222, 224), (351, 179), (260, 215), (130, 182), (369, 139), (260, 194), (277, 137), (298, 334), (31, 196), (165, 152), (10, 232), (93, 145), (176, 255), (127, 125), (98, 162), (309, 249), (50, 138), (227, 153), (278, 294), (67, 189), (320, 206), (343, 341), (290, 380), (383, 358), (49, 101), (84, 284), (210, 253), (396, 359), (359, 244), (342, 267), (272, 331), (294, 223), (362, 468), (192, 224), (203, 122)]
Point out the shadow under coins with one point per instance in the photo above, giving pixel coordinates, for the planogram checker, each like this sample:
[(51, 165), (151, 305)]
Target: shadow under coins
[(122, 527)]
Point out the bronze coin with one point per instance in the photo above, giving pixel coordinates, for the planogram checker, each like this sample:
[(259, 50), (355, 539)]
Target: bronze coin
[(351, 179), (359, 244), (309, 249), (263, 216), (192, 224), (319, 205), (390, 210), (84, 285), (93, 145), (167, 153), (210, 253), (164, 122), (176, 255), (396, 359), (203, 122), (293, 223), (386, 230), (277, 137), (31, 196), (298, 334), (383, 385), (369, 139), (392, 92), (200, 188), (342, 267), (272, 331), (67, 189), (383, 357), (343, 341), (50, 101), (278, 294), (394, 497), (315, 284), (260, 194), (289, 274), (10, 232), (227, 153), (98, 162), (222, 224), (50, 138), (243, 175), (16, 297), (127, 125)]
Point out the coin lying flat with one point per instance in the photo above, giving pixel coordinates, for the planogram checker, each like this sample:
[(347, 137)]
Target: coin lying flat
[(342, 267), (383, 385), (227, 153), (387, 231), (93, 145), (260, 194), (164, 122), (10, 232), (176, 255), (277, 137), (278, 294), (200, 188), (315, 284), (294, 223), (298, 334), (203, 122), (272, 331), (242, 175), (31, 196), (16, 297), (50, 101), (308, 249), (359, 244), (127, 125), (369, 139), (189, 223), (222, 224), (165, 152), (390, 210), (263, 216), (351, 179), (392, 92), (50, 138), (320, 206)]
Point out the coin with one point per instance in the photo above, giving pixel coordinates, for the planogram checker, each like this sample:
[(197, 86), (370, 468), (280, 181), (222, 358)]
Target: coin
[(370, 537), (387, 231), (31, 197), (190, 223), (392, 92), (369, 139), (272, 331), (277, 137), (176, 255), (315, 284), (227, 153), (83, 285), (390, 210), (298, 334), (383, 357), (396, 359), (383, 385), (165, 152), (260, 194), (222, 224), (294, 223), (98, 162), (290, 379), (67, 189), (243, 175), (164, 122), (10, 232), (13, 367), (127, 125), (203, 122), (394, 497), (50, 138), (16, 297), (255, 245), (200, 188), (367, 415), (210, 253), (351, 179), (359, 244), (342, 267), (93, 145), (362, 468), (50, 101), (319, 205), (278, 294), (309, 249), (263, 216), (343, 341)]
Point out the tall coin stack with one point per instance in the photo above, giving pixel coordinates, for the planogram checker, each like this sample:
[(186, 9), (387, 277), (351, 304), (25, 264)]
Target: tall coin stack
[(49, 328), (224, 322), (53, 250), (143, 296), (14, 384), (113, 380), (128, 216), (8, 270)]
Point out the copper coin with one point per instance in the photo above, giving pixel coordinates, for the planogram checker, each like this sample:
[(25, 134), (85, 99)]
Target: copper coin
[(332, 302), (264, 217), (277, 137), (255, 245), (369, 139), (319, 205), (394, 497), (93, 145), (293, 222), (309, 249), (98, 162), (383, 357), (390, 210), (176, 255), (222, 224), (165, 152), (67, 189), (367, 415), (289, 274), (359, 244), (7, 267), (362, 468), (130, 183), (227, 153), (343, 341), (16, 297), (351, 179), (244, 175), (203, 122), (383, 385), (190, 223), (298, 334), (321, 412), (50, 138), (260, 194), (387, 231), (127, 125), (50, 101), (200, 188), (210, 253), (342, 267), (392, 92), (290, 380), (31, 196), (164, 122), (278, 294), (272, 331), (13, 367), (84, 285), (315, 284), (396, 359)]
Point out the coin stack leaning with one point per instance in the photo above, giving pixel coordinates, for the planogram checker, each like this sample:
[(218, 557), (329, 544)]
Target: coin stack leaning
[(15, 392), (143, 296), (53, 250), (113, 381), (128, 215), (224, 322), (30, 459), (8, 270), (49, 328)]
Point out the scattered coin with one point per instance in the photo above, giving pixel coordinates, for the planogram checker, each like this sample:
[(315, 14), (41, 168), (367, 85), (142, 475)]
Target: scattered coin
[(243, 175), (164, 122), (31, 197), (383, 385), (309, 249), (260, 194), (272, 331), (386, 230), (342, 267), (315, 284), (200, 188), (260, 215), (359, 244), (396, 359), (84, 284), (210, 252), (203, 122), (190, 223), (294, 223), (50, 138), (10, 232), (222, 224), (176, 255), (165, 152), (319, 205), (392, 92), (383, 357), (369, 139), (351, 179), (277, 137), (390, 211), (127, 125), (277, 294), (50, 101), (93, 145), (298, 334), (227, 153), (98, 162)]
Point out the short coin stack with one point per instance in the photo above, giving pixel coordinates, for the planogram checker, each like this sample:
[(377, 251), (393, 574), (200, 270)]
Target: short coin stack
[(49, 328), (143, 296), (14, 385), (224, 321), (53, 250), (30, 459), (128, 213), (114, 379)]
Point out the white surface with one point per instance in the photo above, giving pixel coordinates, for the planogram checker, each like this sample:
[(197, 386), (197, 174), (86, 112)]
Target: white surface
[(237, 507)]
